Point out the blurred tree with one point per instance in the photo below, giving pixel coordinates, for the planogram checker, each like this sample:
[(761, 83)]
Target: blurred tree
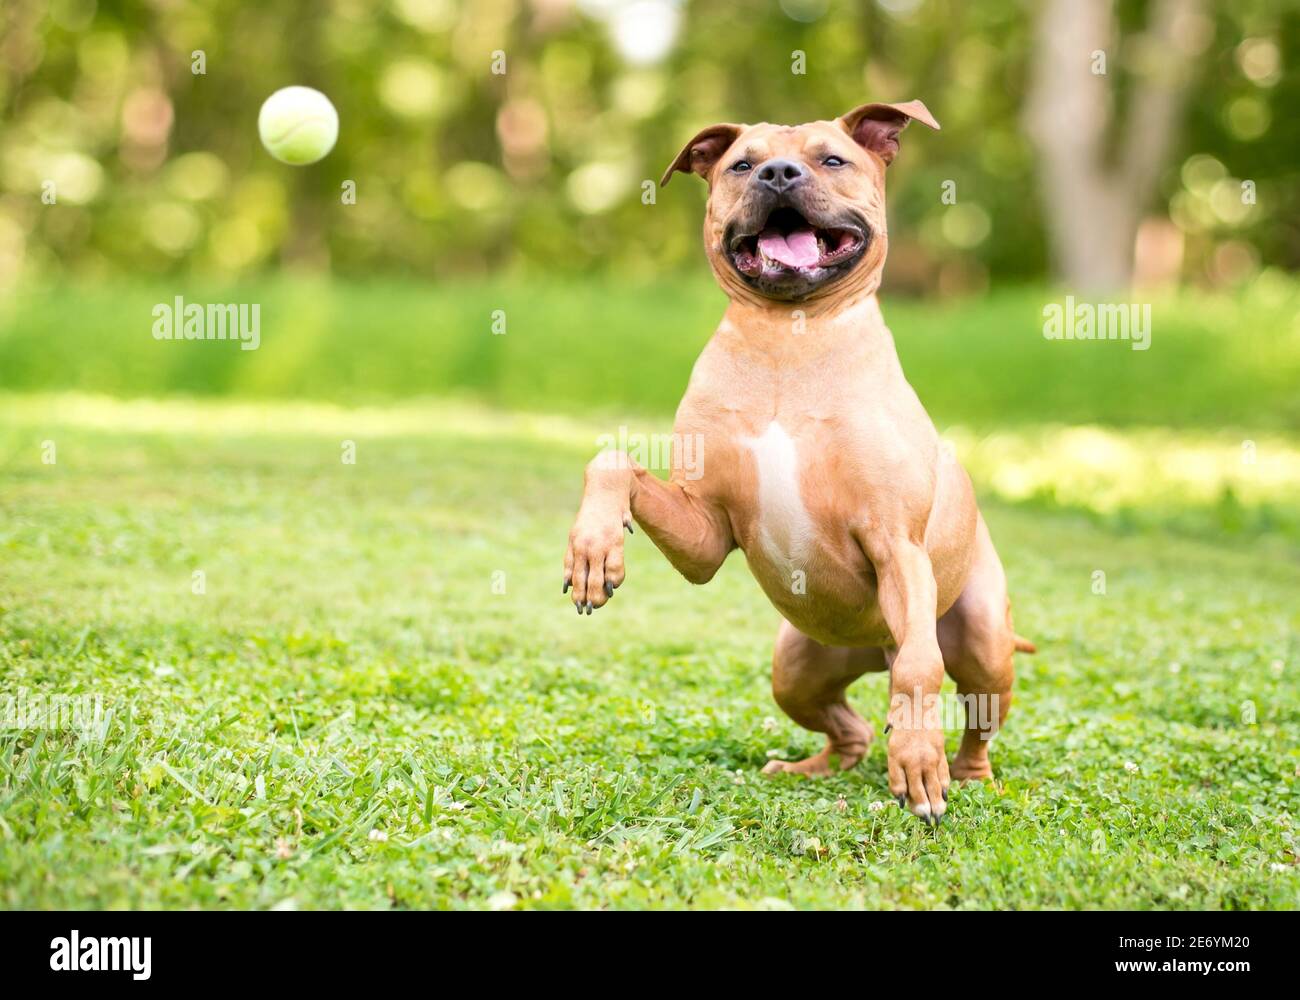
[(1094, 195)]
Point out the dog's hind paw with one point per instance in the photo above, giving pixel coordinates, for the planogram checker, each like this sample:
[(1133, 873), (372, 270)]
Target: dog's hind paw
[(965, 769), (818, 765)]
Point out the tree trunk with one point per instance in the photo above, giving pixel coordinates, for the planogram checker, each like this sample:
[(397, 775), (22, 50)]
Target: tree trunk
[(1093, 202)]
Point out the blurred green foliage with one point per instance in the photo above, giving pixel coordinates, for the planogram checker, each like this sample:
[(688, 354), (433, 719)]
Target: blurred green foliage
[(540, 170)]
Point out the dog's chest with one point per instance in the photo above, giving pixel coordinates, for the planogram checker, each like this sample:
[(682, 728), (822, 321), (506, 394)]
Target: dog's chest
[(801, 497), (784, 528)]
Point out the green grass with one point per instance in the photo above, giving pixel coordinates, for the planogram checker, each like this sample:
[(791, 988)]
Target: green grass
[(352, 668), (1215, 362)]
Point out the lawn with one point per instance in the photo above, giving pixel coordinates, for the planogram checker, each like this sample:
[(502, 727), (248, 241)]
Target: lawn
[(380, 697), (1215, 361)]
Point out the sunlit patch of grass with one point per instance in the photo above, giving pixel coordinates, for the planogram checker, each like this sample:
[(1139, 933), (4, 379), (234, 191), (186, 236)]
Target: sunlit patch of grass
[(1217, 481), (179, 417), (1195, 480)]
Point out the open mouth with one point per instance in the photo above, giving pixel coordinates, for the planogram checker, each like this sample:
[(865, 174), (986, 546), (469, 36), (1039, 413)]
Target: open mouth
[(790, 247)]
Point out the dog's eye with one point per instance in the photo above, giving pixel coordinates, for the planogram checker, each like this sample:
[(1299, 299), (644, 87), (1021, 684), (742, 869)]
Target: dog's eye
[(742, 166), (833, 161)]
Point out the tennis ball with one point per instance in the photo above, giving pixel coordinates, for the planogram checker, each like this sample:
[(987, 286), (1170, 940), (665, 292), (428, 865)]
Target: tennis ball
[(298, 125)]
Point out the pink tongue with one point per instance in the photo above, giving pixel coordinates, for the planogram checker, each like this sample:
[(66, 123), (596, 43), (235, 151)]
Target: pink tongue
[(798, 249)]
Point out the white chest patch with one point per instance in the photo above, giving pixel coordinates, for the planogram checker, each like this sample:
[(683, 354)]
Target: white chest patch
[(785, 530)]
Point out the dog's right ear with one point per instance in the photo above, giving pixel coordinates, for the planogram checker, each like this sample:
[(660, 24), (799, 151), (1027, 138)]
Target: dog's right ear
[(876, 126), (701, 154)]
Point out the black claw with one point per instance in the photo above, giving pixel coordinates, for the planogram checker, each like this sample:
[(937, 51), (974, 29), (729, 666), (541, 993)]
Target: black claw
[(579, 607), (901, 800), (888, 727), (945, 795), (588, 607), (934, 820), (628, 526), (609, 589), (567, 584)]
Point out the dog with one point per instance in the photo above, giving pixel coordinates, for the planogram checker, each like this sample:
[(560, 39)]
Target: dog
[(820, 463)]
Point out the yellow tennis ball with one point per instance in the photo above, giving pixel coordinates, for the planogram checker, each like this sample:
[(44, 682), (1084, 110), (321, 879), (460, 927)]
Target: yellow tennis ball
[(298, 125)]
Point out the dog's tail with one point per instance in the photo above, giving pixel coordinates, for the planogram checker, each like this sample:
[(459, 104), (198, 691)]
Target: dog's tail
[(1023, 645)]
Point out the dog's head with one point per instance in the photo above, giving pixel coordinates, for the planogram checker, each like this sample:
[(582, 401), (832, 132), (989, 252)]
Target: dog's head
[(797, 212)]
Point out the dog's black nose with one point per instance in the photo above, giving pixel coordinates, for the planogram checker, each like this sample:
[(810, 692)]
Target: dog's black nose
[(781, 175)]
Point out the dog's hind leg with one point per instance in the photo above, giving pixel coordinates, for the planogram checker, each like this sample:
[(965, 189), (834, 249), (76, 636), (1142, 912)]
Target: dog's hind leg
[(808, 682), (977, 642)]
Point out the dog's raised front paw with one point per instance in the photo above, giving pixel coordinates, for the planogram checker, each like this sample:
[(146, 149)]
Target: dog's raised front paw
[(593, 562)]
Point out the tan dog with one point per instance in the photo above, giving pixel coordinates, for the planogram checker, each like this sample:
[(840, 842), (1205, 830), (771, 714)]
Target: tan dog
[(819, 461)]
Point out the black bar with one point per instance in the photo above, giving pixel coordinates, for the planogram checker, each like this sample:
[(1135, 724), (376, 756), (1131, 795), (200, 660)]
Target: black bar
[(366, 949)]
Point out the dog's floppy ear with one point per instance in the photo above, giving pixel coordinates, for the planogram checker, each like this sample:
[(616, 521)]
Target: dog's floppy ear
[(700, 154), (876, 126)]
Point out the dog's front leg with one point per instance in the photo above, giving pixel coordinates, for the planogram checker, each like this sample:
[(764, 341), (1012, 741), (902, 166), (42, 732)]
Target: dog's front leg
[(694, 534), (918, 767)]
